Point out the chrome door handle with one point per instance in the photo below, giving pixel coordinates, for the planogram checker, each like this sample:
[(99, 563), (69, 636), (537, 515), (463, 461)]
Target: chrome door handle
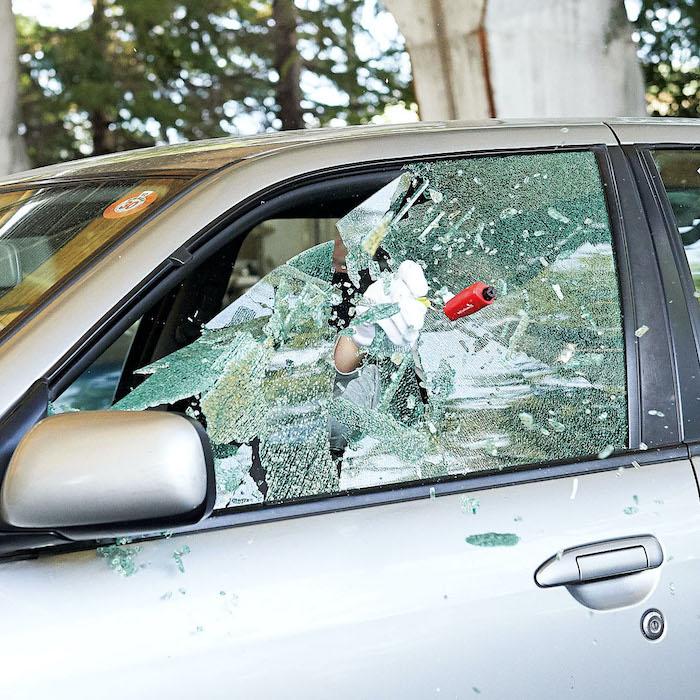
[(600, 560)]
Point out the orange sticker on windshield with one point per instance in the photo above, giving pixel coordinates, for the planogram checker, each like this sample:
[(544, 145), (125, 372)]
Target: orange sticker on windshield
[(130, 205)]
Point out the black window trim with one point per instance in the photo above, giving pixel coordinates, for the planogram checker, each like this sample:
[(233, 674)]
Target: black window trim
[(242, 217), (677, 281), (657, 354)]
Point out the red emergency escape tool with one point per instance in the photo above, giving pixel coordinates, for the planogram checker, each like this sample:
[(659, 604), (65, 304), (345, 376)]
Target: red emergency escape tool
[(470, 300)]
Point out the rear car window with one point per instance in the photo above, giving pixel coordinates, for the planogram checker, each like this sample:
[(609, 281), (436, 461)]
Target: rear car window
[(47, 231), (536, 377), (680, 173)]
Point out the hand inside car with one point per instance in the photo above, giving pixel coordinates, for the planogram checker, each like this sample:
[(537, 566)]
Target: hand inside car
[(406, 288)]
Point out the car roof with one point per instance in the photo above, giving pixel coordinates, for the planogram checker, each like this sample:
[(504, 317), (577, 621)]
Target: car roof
[(200, 157)]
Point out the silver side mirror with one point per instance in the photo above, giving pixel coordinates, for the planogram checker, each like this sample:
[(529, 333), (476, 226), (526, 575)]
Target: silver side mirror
[(103, 473)]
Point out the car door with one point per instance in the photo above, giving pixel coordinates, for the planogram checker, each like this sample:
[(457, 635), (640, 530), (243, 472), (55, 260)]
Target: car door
[(528, 531)]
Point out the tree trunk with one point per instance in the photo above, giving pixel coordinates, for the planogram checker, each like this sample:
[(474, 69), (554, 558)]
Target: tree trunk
[(474, 59), (100, 132), (98, 118), (287, 64), (13, 156)]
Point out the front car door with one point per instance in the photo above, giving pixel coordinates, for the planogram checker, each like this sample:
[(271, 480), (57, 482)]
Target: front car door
[(408, 560)]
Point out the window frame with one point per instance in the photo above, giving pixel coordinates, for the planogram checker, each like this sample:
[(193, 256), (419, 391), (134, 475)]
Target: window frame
[(677, 281), (242, 217)]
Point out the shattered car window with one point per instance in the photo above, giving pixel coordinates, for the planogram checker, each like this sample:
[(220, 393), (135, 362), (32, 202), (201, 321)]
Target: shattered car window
[(537, 375)]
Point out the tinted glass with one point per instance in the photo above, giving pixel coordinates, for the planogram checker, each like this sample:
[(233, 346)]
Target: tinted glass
[(680, 173), (48, 231), (96, 387)]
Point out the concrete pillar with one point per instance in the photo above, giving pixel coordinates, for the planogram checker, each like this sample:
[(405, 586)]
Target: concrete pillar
[(474, 59), (446, 42), (13, 157)]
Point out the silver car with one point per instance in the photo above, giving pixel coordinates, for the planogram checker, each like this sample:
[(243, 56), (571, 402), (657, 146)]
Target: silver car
[(198, 500)]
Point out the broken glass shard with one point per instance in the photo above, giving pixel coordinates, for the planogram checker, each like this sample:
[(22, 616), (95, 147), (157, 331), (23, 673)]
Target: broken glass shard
[(120, 557), (493, 539), (178, 554)]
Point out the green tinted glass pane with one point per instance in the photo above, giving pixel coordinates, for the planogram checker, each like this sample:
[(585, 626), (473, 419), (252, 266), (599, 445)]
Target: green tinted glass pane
[(680, 173), (96, 387)]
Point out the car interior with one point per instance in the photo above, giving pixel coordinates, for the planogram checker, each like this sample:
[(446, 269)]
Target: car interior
[(177, 319)]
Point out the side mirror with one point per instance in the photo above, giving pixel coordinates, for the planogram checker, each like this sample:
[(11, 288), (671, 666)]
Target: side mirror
[(106, 473)]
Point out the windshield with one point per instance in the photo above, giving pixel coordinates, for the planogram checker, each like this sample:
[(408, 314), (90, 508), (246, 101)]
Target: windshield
[(48, 231)]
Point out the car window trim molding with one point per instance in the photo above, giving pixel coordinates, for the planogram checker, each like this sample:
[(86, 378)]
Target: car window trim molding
[(628, 305), (658, 356), (676, 279), (11, 548)]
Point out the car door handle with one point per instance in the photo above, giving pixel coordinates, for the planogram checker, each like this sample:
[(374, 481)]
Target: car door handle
[(600, 560)]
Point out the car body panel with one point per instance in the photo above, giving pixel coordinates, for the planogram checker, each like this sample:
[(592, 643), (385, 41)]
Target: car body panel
[(659, 131), (388, 601)]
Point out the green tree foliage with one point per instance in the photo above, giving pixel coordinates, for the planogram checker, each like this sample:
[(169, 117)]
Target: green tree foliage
[(669, 48), (141, 72)]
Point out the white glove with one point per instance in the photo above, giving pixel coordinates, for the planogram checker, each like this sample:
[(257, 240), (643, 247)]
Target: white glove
[(407, 285)]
